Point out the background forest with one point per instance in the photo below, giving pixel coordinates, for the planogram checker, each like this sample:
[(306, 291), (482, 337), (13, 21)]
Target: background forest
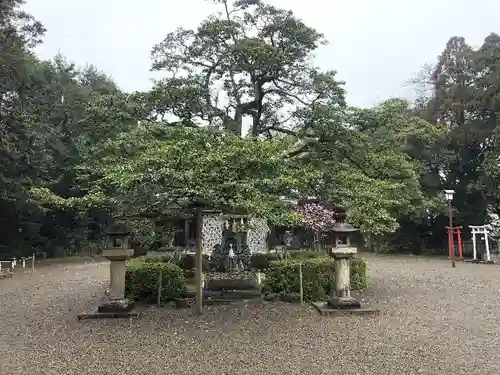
[(241, 118)]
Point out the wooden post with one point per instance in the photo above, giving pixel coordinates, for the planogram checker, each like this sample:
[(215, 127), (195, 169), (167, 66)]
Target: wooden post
[(33, 265), (160, 280), (451, 247), (186, 233), (199, 260), (301, 285)]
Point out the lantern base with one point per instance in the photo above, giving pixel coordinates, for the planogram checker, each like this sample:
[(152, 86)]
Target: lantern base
[(344, 303), (115, 308), (116, 305), (325, 310)]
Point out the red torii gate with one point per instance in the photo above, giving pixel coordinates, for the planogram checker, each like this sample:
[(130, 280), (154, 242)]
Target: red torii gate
[(451, 232)]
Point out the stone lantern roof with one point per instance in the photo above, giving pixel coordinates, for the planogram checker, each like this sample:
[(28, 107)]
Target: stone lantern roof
[(339, 227), (118, 229)]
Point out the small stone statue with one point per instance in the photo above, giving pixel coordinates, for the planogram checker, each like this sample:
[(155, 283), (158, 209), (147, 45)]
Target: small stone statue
[(230, 258)]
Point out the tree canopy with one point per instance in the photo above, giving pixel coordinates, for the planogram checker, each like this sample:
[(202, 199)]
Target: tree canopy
[(74, 146), (244, 62)]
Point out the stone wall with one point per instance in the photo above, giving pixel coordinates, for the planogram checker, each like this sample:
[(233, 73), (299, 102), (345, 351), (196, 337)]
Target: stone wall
[(257, 235), (212, 231), (212, 228)]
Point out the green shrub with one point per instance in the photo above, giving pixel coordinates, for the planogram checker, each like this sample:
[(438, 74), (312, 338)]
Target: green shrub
[(167, 258), (357, 267), (184, 261), (188, 262), (306, 254), (260, 261), (141, 281), (318, 276)]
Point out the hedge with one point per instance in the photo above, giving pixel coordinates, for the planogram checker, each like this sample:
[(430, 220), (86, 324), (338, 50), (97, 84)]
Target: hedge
[(188, 262), (358, 267), (167, 258), (261, 261), (306, 254), (185, 261), (141, 281), (318, 276)]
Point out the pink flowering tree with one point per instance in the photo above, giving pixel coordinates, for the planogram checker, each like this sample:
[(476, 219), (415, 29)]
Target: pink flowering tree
[(316, 218)]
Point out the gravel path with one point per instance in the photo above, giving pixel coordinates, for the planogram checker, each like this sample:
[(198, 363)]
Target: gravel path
[(435, 320)]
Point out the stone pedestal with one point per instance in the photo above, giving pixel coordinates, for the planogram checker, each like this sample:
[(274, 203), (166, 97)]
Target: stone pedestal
[(116, 305), (343, 298), (117, 257)]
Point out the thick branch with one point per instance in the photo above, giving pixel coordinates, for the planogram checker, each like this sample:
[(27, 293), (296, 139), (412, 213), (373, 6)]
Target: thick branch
[(281, 130)]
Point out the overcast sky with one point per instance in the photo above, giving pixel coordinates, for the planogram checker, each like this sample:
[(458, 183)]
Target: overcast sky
[(375, 46)]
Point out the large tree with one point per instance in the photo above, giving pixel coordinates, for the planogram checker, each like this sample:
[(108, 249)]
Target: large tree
[(362, 161), (248, 61), (464, 102), (50, 115), (18, 33), (20, 160), (154, 169)]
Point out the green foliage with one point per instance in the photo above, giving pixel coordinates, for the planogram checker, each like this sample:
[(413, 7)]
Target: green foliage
[(261, 262), (155, 167), (44, 124), (188, 262), (306, 254), (168, 258), (358, 268), (141, 281), (258, 57), (465, 102), (362, 162), (318, 276), (73, 146)]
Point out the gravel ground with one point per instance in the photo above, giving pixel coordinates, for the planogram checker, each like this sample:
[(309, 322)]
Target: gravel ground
[(434, 320)]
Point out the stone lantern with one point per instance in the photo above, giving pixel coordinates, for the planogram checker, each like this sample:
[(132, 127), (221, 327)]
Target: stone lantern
[(342, 252), (117, 254), (116, 305)]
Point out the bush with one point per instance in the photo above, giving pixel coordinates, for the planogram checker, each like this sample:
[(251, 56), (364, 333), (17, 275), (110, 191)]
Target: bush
[(167, 258), (306, 254), (261, 262), (358, 268), (318, 276), (188, 262), (141, 281)]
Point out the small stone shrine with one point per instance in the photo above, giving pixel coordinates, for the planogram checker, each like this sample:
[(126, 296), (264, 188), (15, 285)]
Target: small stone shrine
[(115, 305)]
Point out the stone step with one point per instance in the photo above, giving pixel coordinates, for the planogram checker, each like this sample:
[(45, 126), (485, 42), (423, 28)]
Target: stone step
[(218, 301), (228, 284), (229, 294)]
